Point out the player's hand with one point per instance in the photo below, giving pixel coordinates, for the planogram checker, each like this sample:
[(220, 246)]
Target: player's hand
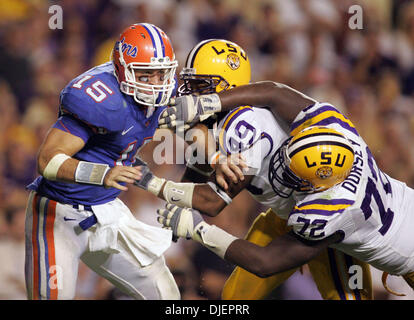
[(184, 222), (186, 111), (121, 174), (229, 169)]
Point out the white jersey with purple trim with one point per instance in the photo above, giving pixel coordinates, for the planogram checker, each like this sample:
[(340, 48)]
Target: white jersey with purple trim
[(374, 211), (255, 133)]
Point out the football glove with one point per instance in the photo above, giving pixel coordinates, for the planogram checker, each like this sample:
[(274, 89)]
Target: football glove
[(184, 222), (186, 111), (188, 223)]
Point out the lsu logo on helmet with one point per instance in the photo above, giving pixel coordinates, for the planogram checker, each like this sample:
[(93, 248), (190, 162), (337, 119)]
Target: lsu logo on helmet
[(233, 61), (315, 159), (214, 65), (324, 172)]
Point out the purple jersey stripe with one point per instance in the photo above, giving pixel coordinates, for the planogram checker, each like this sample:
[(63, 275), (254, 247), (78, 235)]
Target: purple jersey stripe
[(343, 124), (327, 202), (311, 115), (335, 275), (235, 115), (308, 107), (317, 211), (267, 136)]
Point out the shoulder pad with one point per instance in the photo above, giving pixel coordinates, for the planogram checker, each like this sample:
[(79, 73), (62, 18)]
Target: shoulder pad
[(320, 215), (324, 114), (238, 131), (94, 97)]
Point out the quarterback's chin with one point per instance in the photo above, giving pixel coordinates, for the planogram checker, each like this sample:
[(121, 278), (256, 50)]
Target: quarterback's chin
[(146, 97)]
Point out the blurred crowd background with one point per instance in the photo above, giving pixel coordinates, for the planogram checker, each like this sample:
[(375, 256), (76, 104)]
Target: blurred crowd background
[(307, 44)]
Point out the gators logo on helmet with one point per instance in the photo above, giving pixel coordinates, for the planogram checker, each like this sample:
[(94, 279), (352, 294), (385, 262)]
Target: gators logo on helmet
[(145, 47)]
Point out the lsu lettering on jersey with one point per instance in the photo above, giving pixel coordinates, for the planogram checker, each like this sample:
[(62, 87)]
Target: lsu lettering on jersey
[(112, 125), (255, 133), (374, 212)]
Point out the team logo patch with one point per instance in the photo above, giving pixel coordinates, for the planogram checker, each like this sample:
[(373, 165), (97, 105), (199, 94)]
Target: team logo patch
[(324, 172), (233, 61)]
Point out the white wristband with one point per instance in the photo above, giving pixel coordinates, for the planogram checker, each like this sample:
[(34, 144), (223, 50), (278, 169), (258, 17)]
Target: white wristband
[(223, 195), (155, 185), (91, 173), (53, 166), (213, 238), (211, 103)]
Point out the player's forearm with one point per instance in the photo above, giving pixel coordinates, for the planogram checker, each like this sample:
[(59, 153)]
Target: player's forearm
[(282, 100), (55, 163), (206, 197), (190, 195), (248, 256), (208, 201), (62, 169), (54, 160), (260, 260), (281, 254)]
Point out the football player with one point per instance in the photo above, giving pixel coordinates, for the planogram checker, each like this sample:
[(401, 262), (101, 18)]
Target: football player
[(343, 201), (214, 66), (106, 115)]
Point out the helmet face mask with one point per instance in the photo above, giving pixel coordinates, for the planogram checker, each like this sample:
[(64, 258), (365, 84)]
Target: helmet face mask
[(314, 160), (149, 94), (145, 48), (200, 83), (282, 178), (214, 65)]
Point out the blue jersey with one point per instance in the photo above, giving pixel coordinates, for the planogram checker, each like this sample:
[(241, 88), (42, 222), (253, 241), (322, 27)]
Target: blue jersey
[(112, 125)]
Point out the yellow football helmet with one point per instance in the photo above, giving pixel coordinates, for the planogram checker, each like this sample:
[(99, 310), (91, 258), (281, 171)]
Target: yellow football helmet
[(315, 159), (214, 65)]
